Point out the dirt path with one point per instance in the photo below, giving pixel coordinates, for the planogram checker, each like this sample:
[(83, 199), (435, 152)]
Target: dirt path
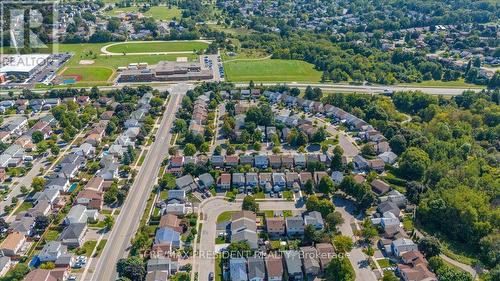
[(265, 58)]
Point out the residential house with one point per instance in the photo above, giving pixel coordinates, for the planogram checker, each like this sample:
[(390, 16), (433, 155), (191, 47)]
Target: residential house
[(12, 244), (311, 262), (315, 219), (402, 245), (395, 197), (252, 180), (176, 161), (279, 181), (256, 268), (52, 251), (337, 177), (318, 175), (261, 161), (244, 228), (264, 179), (5, 265), (389, 206), (80, 214), (172, 221), (376, 164), (73, 235), (275, 226), (300, 160), (167, 235), (224, 181), (238, 269), (231, 161), (246, 160), (162, 264), (47, 275), (293, 265), (179, 194), (294, 226), (325, 254), (217, 161), (287, 161), (95, 183), (388, 157), (291, 178), (185, 182), (305, 177), (274, 266), (49, 195), (23, 225), (275, 161), (90, 198), (380, 187), (239, 180), (206, 180)]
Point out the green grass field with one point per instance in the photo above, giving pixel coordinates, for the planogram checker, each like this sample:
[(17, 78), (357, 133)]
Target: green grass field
[(271, 70), (162, 13), (151, 47), (89, 74), (444, 84)]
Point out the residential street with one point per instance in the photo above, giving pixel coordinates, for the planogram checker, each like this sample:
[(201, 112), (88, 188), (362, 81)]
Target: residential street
[(356, 256), (135, 204), (204, 263)]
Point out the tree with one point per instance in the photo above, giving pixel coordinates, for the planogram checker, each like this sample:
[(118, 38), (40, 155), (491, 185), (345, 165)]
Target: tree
[(429, 246), (189, 149), (3, 225), (342, 243), (324, 206), (339, 269), (132, 268), (309, 187), (398, 144), (41, 223), (37, 184), (490, 249), (413, 191), (249, 204), (333, 220), (109, 221), (326, 185), (445, 272), (414, 161), (37, 136), (368, 150)]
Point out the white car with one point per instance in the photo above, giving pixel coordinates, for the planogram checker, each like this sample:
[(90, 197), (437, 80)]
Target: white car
[(72, 277)]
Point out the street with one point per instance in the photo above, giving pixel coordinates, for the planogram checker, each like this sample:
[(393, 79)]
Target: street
[(128, 220)]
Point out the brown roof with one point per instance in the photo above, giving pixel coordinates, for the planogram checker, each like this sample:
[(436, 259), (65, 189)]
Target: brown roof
[(176, 160), (12, 241), (287, 159), (419, 272), (414, 257), (325, 253), (274, 266), (94, 183), (225, 178), (359, 179), (379, 186), (244, 214), (274, 223), (305, 176), (274, 159), (40, 275), (172, 221), (232, 159)]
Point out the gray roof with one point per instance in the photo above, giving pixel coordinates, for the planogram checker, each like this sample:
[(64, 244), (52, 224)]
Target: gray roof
[(256, 267), (184, 181), (294, 222), (246, 235), (238, 271), (57, 182), (73, 231), (206, 179), (239, 177), (4, 261), (293, 262)]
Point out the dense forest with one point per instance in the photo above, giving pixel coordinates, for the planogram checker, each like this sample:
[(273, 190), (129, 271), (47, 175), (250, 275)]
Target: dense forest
[(449, 158)]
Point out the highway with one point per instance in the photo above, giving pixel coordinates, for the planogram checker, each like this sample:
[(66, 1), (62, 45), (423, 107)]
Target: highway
[(204, 262), (131, 212), (325, 87)]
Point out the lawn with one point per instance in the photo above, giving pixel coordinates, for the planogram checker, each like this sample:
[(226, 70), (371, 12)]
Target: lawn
[(87, 248), (51, 235), (225, 216), (100, 247), (445, 84), (218, 268), (271, 70), (384, 263), (162, 13), (89, 74), (23, 207), (288, 195), (156, 46)]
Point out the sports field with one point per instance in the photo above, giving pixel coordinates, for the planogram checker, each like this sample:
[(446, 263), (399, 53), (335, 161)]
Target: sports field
[(163, 13), (271, 70), (152, 47), (89, 74)]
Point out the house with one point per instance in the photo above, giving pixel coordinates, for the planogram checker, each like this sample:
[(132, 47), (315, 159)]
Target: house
[(42, 208), (217, 161), (238, 269), (61, 184), (252, 180), (294, 226), (274, 266), (246, 160), (179, 209), (300, 160), (376, 164), (95, 183), (162, 264), (238, 180), (388, 157), (185, 182), (5, 265), (419, 272), (402, 245), (389, 206), (287, 161), (275, 161), (305, 177), (167, 235), (291, 178), (315, 219), (68, 171), (380, 187), (310, 262), (52, 251), (261, 161), (264, 179), (24, 225), (325, 254), (275, 226), (359, 179), (179, 194), (279, 181), (47, 275), (224, 181), (293, 265), (256, 268), (337, 177), (72, 236), (12, 244), (172, 221), (49, 195), (90, 198), (395, 197), (232, 161), (244, 228), (80, 214), (106, 115), (360, 163), (206, 180)]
